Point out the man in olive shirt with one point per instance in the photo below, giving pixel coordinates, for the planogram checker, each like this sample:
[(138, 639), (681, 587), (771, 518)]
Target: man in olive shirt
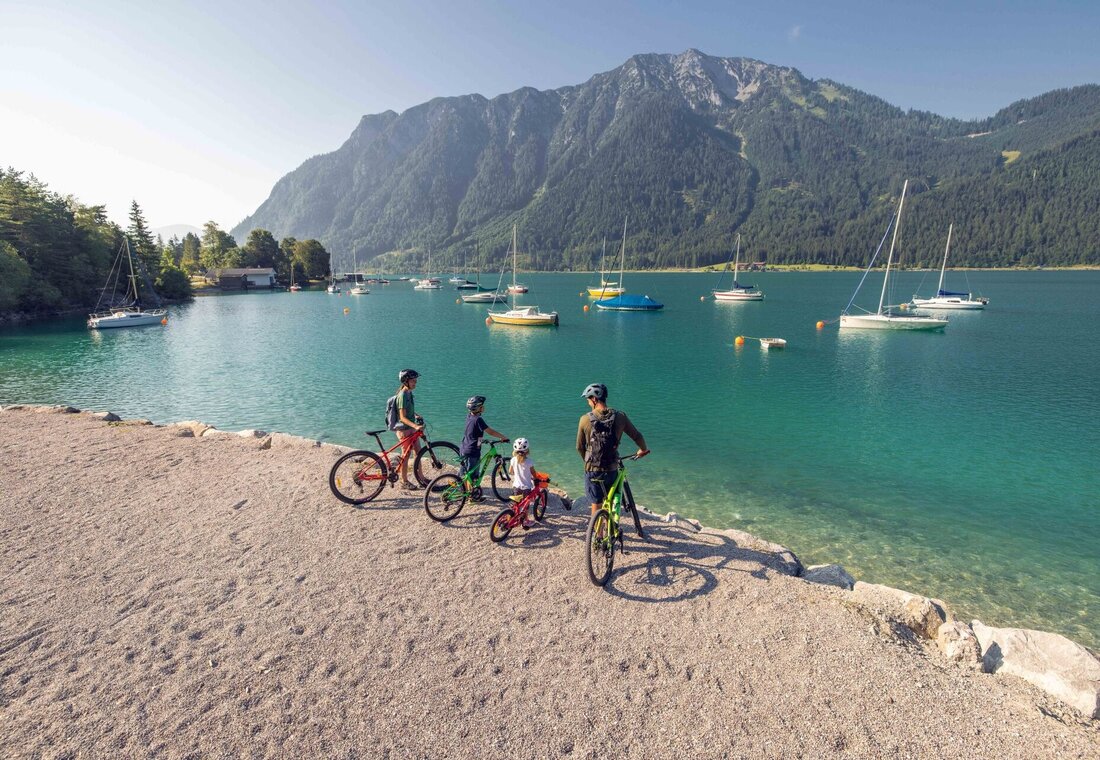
[(598, 436)]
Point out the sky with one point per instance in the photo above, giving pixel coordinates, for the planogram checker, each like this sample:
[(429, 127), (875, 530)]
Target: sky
[(196, 109)]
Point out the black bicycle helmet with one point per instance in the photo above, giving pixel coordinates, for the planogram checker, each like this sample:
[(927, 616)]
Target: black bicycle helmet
[(475, 402), (406, 375), (597, 391)]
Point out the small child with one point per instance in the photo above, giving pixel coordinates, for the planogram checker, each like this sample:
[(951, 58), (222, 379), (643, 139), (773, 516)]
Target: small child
[(476, 427), (523, 474)]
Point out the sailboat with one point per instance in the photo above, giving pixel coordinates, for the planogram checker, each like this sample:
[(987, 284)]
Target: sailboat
[(294, 287), (464, 283), (428, 282), (946, 299), (129, 313), (605, 289), (622, 302), (332, 286), (737, 291), (522, 315), (884, 319), (487, 295)]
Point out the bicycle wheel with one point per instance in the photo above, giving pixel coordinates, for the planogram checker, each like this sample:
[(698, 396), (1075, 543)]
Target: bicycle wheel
[(539, 507), (502, 526), (438, 459), (502, 479), (444, 497), (599, 550), (357, 477)]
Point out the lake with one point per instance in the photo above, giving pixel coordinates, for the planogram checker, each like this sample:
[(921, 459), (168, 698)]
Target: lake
[(961, 465)]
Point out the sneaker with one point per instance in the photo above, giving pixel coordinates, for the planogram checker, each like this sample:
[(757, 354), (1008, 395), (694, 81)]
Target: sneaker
[(527, 524), (410, 486)]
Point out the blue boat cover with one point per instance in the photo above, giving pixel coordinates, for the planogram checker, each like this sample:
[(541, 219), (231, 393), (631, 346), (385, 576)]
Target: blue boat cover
[(739, 286), (630, 303), (950, 293)]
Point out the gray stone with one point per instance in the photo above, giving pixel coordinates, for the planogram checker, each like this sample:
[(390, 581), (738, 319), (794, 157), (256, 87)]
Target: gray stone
[(337, 450), (252, 434), (181, 432), (265, 443), (782, 559), (196, 427), (921, 615), (214, 433), (1058, 666), (829, 575), (14, 408), (283, 440), (957, 642), (106, 416)]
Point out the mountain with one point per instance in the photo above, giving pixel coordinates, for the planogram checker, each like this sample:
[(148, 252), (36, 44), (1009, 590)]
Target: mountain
[(693, 148)]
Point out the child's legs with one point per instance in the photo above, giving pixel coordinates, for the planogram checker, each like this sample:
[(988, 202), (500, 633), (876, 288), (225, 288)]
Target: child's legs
[(469, 465)]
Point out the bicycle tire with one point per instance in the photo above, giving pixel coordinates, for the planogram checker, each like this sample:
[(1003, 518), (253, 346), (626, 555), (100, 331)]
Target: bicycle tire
[(599, 548), (445, 497), (501, 479), (438, 459), (357, 477), (501, 526), (539, 509)]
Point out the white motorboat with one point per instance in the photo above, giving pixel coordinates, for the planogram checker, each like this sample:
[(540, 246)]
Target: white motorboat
[(946, 299), (359, 290), (129, 313), (884, 318), (770, 343)]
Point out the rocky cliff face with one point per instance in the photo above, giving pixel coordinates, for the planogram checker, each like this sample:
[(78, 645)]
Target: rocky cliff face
[(690, 147)]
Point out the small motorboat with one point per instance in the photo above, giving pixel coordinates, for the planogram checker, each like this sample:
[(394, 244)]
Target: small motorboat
[(770, 343)]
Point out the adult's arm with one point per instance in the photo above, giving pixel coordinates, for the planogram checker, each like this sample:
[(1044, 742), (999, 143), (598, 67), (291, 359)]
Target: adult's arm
[(630, 430), (582, 436)]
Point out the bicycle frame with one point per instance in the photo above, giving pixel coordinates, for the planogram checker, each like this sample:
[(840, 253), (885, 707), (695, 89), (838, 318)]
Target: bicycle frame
[(484, 466), (524, 506), (408, 444)]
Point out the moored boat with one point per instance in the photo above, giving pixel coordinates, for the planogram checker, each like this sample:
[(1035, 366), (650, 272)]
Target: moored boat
[(528, 316), (129, 313), (946, 299)]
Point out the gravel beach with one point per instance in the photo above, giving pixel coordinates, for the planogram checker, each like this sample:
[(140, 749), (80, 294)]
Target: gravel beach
[(165, 595)]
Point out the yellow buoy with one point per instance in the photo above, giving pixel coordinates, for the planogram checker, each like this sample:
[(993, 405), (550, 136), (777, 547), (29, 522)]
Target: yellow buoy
[(347, 310), (820, 324), (739, 340), (904, 306), (586, 307), (488, 320)]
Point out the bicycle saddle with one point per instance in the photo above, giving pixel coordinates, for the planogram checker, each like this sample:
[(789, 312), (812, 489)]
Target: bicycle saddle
[(376, 432)]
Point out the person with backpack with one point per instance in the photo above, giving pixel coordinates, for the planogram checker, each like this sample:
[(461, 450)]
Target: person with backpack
[(403, 420), (598, 436)]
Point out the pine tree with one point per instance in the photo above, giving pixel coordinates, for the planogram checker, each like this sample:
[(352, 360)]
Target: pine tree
[(142, 240)]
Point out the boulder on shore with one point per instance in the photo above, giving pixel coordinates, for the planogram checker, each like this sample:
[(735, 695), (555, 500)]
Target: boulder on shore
[(956, 640), (921, 615), (1058, 666), (829, 575)]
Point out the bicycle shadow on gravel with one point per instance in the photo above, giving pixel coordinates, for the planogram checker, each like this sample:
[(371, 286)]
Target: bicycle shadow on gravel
[(678, 564)]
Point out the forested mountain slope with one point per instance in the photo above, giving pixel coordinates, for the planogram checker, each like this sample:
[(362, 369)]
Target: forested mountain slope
[(692, 149)]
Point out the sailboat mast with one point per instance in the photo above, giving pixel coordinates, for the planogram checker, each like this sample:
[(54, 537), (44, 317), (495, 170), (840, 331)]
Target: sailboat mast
[(514, 266), (893, 241), (945, 250), (622, 256), (736, 260)]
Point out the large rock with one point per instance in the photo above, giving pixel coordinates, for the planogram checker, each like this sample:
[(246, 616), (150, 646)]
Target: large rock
[(197, 428), (105, 416), (782, 558), (1058, 666), (283, 440), (829, 575), (921, 615), (957, 642), (252, 434)]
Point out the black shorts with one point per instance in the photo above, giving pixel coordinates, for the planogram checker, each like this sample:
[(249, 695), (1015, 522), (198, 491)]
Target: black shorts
[(597, 484)]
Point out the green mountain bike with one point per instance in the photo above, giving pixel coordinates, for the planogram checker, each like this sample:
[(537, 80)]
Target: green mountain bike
[(446, 495), (603, 528)]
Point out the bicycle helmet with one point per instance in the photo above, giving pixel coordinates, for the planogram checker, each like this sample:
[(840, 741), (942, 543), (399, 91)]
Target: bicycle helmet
[(597, 391), (407, 374), (475, 402), (520, 446)]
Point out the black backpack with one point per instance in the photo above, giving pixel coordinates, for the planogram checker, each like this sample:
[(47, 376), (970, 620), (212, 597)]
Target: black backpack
[(602, 450)]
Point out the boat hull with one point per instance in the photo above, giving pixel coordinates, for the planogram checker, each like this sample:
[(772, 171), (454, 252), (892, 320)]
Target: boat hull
[(891, 322), (737, 295), (605, 292), (127, 319), (524, 319)]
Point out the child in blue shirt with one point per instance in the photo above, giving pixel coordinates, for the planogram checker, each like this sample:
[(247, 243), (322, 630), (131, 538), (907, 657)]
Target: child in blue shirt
[(476, 428)]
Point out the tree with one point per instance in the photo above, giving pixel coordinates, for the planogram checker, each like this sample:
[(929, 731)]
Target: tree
[(261, 250), (174, 283), (189, 256), (219, 249), (142, 240), (311, 258), (14, 276)]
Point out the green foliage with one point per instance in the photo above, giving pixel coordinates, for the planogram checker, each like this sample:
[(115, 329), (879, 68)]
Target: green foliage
[(311, 258), (808, 171), (14, 277), (173, 283), (219, 249), (190, 253), (141, 240)]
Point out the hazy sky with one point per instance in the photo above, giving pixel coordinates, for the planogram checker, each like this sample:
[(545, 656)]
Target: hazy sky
[(196, 109)]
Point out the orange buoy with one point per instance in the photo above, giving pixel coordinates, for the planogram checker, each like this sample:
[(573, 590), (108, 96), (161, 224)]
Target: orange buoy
[(488, 320), (739, 340), (586, 307), (164, 321), (820, 324)]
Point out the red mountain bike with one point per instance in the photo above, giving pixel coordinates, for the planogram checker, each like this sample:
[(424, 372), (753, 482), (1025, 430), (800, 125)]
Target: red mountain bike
[(359, 476), (516, 515)]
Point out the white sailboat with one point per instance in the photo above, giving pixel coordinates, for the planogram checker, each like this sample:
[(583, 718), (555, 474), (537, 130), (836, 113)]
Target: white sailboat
[(528, 316), (737, 291), (129, 313), (428, 282), (946, 299), (294, 287), (884, 319), (606, 288), (487, 295)]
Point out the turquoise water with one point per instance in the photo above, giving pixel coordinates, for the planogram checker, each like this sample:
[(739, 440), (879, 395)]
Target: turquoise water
[(961, 465)]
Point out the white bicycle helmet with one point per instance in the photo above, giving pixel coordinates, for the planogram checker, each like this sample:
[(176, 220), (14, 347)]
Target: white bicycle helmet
[(520, 446)]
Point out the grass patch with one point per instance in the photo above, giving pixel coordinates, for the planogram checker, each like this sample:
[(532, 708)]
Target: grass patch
[(1009, 156)]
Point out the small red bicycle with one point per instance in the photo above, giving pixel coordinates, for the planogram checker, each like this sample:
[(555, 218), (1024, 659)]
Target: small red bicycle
[(516, 515)]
